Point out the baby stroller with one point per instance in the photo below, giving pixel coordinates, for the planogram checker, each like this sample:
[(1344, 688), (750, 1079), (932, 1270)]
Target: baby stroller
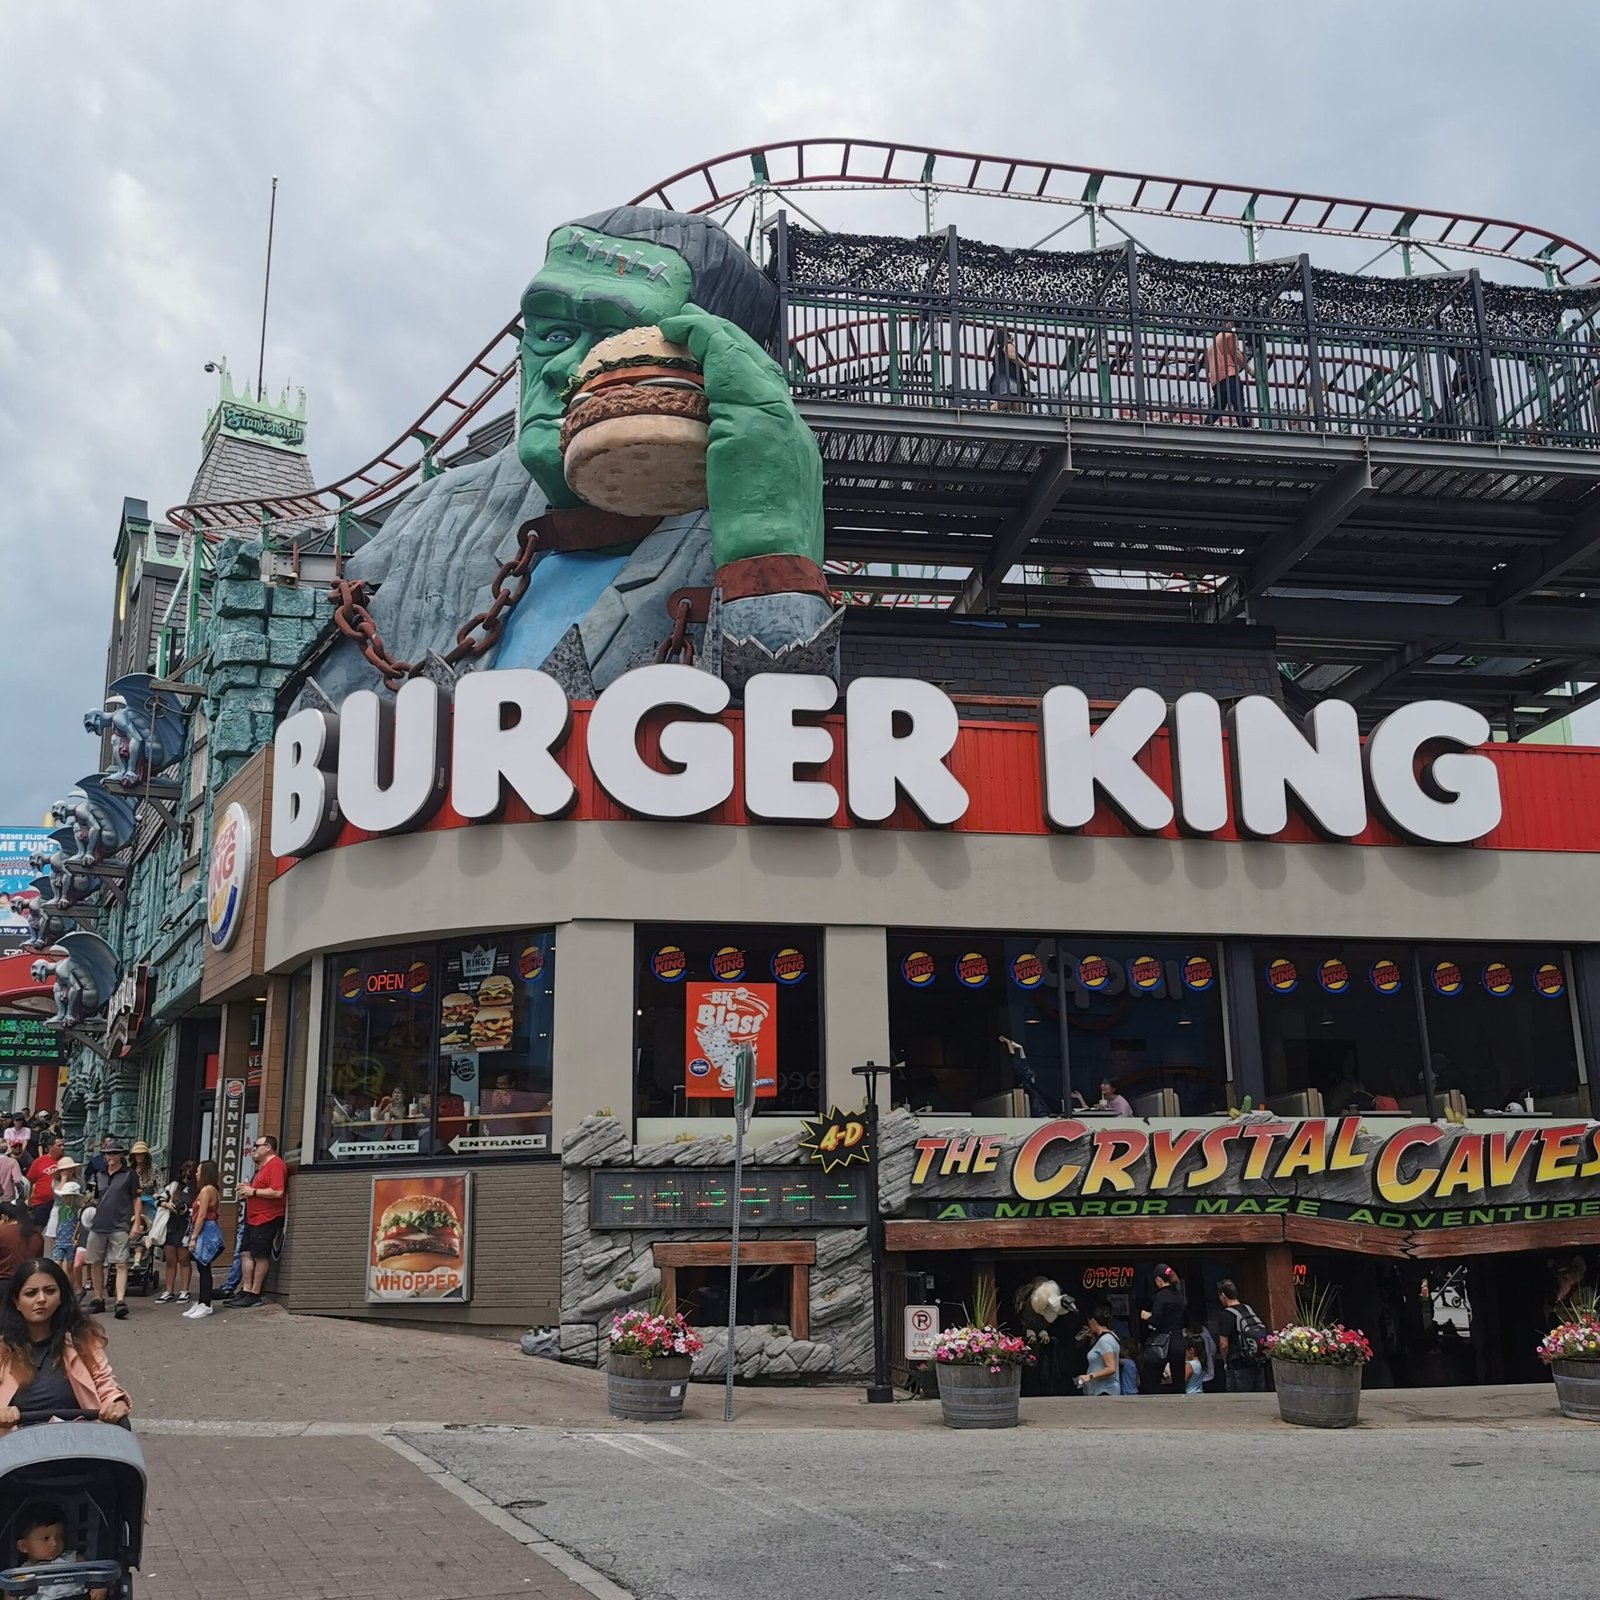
[(94, 1473)]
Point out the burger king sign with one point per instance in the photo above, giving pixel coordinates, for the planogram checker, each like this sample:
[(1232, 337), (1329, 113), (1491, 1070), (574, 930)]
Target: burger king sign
[(227, 876)]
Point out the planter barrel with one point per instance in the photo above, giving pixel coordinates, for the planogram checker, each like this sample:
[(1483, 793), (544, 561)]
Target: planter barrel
[(1578, 1389), (647, 1391), (1316, 1396), (974, 1397)]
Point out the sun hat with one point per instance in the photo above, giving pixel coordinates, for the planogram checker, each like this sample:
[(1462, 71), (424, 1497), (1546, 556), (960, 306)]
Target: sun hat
[(65, 1191), (65, 1164), (140, 1148)]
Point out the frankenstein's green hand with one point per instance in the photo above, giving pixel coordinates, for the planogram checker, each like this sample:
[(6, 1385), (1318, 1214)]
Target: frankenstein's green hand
[(763, 472)]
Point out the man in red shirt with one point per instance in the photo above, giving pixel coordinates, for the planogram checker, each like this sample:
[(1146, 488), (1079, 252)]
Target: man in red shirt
[(265, 1203), (42, 1176)]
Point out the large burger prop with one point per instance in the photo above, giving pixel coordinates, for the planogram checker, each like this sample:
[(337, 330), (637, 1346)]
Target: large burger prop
[(418, 1232), (633, 440)]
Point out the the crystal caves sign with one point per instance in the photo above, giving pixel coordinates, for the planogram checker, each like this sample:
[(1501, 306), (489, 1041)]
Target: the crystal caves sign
[(1417, 1175)]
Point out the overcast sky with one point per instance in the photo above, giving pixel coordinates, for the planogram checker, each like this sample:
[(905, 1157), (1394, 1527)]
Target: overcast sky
[(424, 151)]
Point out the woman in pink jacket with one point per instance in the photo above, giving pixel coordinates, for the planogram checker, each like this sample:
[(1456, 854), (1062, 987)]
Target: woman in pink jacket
[(52, 1357)]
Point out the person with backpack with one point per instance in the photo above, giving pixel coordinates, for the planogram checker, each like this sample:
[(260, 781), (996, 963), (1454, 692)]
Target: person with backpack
[(1240, 1333)]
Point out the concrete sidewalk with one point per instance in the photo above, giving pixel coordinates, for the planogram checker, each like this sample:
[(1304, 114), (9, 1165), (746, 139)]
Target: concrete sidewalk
[(288, 1373)]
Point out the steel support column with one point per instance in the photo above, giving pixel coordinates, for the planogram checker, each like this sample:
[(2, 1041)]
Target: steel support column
[(1011, 540)]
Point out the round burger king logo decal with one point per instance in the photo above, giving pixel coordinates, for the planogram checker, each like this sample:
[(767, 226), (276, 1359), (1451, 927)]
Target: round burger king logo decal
[(728, 963), (530, 963), (1145, 971), (918, 969), (1281, 975), (350, 983), (1384, 976), (972, 970), (1027, 971), (1497, 979), (1333, 975), (788, 965), (1094, 973), (1199, 974), (417, 976), (227, 876), (1446, 977), (669, 963), (1548, 981)]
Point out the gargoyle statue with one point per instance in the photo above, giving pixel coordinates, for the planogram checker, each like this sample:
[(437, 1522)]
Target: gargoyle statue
[(84, 976), (146, 729), (45, 927), (102, 821), (66, 887)]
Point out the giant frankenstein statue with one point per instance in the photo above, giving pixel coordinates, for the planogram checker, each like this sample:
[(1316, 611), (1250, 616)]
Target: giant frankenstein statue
[(583, 592)]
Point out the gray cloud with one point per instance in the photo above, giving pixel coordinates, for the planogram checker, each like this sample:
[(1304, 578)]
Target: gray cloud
[(425, 150)]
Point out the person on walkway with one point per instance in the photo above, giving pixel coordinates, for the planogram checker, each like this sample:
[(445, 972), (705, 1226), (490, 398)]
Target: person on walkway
[(174, 1203), (1105, 1355), (1164, 1319), (1128, 1366), (41, 1175), (204, 1239), (1008, 377), (1237, 1327), (13, 1180), (17, 1135), (1225, 363), (20, 1241), (117, 1220), (1194, 1367), (265, 1204), (61, 1242), (94, 1174), (52, 1357)]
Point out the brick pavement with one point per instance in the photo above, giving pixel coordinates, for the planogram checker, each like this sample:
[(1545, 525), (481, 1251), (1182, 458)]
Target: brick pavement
[(340, 1518)]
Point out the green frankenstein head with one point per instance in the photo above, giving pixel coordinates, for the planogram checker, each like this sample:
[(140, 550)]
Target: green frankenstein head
[(621, 269)]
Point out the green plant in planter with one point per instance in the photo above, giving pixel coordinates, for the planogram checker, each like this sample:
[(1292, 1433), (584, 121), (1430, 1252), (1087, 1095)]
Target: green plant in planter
[(1314, 1338), (979, 1342), (1577, 1336)]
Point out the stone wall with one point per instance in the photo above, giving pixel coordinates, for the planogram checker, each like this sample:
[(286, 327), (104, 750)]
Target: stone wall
[(603, 1272)]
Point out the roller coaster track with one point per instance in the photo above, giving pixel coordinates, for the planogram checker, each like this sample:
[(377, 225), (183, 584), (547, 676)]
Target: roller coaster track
[(762, 172)]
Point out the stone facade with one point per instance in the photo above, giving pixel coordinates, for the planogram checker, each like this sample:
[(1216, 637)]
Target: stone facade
[(603, 1272)]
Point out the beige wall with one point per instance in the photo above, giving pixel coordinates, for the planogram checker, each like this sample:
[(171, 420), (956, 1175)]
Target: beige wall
[(855, 976), (593, 1022), (620, 872)]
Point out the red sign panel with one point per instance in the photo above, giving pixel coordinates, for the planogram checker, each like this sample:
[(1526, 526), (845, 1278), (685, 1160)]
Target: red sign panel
[(717, 1019)]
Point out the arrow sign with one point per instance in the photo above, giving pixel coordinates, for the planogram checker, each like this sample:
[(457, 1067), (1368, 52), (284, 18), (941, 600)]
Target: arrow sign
[(373, 1147), (464, 1142)]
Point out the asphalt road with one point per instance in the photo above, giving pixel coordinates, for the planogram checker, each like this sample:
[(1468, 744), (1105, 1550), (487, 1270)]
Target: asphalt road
[(689, 1513)]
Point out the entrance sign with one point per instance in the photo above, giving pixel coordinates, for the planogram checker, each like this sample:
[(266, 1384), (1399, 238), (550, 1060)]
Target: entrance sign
[(230, 1134), (1270, 1167), (386, 767), (922, 1328), (419, 1238)]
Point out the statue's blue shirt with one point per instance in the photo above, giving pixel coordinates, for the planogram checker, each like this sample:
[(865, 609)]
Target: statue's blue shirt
[(561, 588)]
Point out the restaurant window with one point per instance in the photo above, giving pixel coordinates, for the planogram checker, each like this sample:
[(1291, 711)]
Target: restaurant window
[(1500, 1027), (1339, 1021), (977, 1021), (439, 1050), (296, 1040), (704, 994)]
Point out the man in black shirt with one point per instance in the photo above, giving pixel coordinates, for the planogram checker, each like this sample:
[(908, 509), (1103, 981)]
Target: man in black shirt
[(117, 1218), (1242, 1374)]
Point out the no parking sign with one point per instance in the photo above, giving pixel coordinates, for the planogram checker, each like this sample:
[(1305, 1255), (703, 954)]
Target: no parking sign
[(922, 1328)]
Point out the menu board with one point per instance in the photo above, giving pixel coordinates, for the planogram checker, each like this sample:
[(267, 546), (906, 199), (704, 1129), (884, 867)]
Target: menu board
[(680, 1197), (477, 1004)]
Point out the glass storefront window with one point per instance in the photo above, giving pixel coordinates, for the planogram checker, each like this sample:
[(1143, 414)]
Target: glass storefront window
[(1342, 1020), (1500, 1027), (702, 994), (439, 1050), (979, 1022)]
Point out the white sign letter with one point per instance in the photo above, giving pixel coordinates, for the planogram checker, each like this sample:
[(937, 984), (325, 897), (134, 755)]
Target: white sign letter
[(701, 752), (1320, 761), (880, 758), (1077, 758), (1457, 797), (305, 807), (490, 756), (1199, 775), (391, 758), (774, 745)]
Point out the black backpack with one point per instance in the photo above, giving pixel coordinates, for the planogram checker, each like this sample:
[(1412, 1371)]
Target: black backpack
[(1250, 1331)]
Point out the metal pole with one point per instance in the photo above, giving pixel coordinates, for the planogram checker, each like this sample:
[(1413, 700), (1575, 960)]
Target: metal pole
[(1485, 384), (953, 264), (744, 1089), (1308, 301), (1135, 344), (266, 286), (881, 1391), (781, 262)]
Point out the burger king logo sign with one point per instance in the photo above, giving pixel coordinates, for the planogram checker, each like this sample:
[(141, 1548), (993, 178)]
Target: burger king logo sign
[(227, 876)]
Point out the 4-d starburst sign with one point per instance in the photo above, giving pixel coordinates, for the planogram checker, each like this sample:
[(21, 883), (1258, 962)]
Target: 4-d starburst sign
[(837, 1140)]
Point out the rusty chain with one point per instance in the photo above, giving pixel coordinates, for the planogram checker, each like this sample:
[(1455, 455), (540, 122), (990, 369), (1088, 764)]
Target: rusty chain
[(678, 646), (473, 637)]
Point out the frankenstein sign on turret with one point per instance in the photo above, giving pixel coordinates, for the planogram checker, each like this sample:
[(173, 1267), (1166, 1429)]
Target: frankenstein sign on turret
[(255, 419)]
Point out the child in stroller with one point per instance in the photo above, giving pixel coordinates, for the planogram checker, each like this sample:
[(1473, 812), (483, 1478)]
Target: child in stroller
[(71, 1510)]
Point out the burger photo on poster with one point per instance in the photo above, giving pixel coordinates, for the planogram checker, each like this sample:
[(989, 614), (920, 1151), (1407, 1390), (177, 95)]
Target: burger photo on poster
[(455, 1016), (495, 991), (634, 437), (491, 1028), (416, 1233)]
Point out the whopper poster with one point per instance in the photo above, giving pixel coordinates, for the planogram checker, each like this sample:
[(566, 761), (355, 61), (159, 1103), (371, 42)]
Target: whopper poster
[(419, 1239), (718, 1019)]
